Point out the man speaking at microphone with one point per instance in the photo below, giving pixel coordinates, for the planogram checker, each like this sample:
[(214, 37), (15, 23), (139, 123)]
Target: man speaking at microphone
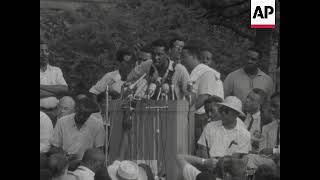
[(162, 73)]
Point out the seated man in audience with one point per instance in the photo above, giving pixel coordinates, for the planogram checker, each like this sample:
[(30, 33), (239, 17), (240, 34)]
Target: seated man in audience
[(93, 159), (252, 106), (212, 111), (227, 136), (161, 69), (46, 132), (52, 83), (270, 145), (65, 107), (79, 131), (271, 132)]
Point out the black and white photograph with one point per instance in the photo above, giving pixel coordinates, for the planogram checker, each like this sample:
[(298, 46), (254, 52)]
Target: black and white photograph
[(159, 89)]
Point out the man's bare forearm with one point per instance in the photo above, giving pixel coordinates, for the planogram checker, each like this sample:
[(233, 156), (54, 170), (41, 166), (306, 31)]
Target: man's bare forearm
[(184, 158), (56, 89), (44, 94)]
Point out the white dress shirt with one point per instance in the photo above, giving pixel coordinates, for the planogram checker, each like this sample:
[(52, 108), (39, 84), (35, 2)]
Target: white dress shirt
[(46, 132), (52, 76), (256, 124), (111, 79), (206, 80)]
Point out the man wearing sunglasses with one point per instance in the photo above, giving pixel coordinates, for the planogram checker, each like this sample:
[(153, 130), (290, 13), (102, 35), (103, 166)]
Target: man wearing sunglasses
[(240, 82)]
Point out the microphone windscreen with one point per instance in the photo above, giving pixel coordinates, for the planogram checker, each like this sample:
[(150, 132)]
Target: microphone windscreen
[(165, 88)]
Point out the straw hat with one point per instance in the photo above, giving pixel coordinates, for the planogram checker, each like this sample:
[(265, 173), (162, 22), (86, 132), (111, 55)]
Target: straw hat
[(127, 170), (234, 103)]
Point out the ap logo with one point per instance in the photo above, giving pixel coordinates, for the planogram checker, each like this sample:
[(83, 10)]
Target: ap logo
[(263, 14)]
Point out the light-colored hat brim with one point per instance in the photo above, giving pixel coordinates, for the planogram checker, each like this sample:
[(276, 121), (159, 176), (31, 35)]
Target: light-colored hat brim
[(113, 169), (232, 107)]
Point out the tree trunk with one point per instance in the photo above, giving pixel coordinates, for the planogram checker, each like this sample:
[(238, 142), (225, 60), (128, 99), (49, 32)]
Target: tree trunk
[(263, 41)]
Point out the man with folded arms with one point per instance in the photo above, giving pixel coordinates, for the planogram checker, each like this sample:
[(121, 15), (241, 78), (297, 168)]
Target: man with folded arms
[(52, 83)]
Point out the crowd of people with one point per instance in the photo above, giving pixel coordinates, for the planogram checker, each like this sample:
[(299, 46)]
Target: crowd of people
[(237, 120)]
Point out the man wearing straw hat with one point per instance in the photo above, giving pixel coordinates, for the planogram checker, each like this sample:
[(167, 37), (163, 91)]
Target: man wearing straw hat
[(227, 136), (126, 170)]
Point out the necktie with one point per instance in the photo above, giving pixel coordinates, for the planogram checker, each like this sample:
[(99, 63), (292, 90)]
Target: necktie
[(251, 122)]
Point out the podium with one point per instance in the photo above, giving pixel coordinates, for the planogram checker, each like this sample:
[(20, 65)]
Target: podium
[(160, 130)]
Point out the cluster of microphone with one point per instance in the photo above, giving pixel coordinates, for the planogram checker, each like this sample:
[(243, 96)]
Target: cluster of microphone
[(156, 90), (164, 90)]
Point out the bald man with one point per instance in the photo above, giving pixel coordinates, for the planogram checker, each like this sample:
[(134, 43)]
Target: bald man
[(65, 107), (92, 160)]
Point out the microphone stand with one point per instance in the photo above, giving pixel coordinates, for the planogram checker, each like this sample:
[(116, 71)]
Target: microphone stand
[(106, 123)]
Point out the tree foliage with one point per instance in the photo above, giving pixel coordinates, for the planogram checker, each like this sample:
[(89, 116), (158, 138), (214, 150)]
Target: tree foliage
[(84, 42)]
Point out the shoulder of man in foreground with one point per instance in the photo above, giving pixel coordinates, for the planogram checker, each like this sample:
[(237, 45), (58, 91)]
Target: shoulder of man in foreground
[(234, 73), (55, 68), (269, 126)]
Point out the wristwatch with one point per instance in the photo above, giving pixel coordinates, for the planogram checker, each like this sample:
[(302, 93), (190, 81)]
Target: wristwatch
[(203, 160)]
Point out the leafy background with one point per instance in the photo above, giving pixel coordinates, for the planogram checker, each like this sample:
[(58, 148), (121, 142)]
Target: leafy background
[(83, 42)]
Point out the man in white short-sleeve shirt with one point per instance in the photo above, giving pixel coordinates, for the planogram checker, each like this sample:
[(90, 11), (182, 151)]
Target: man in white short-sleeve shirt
[(52, 82), (78, 132), (229, 135), (46, 131), (204, 82)]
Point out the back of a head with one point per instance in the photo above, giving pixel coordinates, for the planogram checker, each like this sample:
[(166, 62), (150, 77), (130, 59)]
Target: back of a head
[(45, 174), (266, 172), (102, 174), (195, 47), (174, 39), (159, 43), (205, 176), (58, 164), (232, 166), (93, 154)]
